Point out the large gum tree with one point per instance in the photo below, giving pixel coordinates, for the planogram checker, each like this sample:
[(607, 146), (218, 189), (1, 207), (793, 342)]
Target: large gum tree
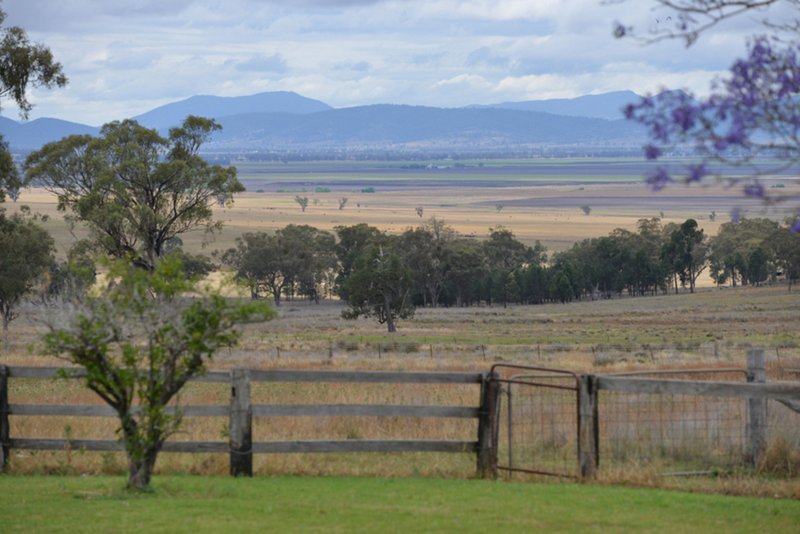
[(136, 190), (23, 64)]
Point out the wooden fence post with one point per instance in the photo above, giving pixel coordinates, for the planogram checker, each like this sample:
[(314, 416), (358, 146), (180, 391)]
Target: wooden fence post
[(4, 433), (756, 408), (488, 427), (588, 427), (241, 424)]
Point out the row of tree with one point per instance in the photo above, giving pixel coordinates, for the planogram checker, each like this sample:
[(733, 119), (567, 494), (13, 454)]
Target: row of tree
[(431, 265)]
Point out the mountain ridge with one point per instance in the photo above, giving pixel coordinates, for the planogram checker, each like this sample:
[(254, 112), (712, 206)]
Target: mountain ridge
[(282, 119)]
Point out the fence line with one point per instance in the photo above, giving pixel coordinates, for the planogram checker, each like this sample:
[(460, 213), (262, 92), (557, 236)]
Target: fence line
[(577, 414), (241, 411)]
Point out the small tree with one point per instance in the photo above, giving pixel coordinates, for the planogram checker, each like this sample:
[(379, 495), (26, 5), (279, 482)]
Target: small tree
[(302, 202), (586, 210), (140, 341), (342, 203), (420, 210), (380, 286), (26, 252)]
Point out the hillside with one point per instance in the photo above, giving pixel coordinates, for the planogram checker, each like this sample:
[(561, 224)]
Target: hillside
[(284, 120)]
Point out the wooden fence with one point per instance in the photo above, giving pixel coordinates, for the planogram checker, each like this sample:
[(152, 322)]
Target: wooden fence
[(240, 413)]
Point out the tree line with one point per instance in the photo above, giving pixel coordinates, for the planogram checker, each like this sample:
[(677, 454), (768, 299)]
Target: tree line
[(388, 276)]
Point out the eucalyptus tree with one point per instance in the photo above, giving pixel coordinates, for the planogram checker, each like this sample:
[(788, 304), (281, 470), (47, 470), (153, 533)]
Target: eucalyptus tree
[(23, 64), (379, 286), (26, 252), (135, 189)]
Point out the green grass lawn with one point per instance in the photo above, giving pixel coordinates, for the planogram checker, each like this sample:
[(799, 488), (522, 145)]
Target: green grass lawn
[(334, 504)]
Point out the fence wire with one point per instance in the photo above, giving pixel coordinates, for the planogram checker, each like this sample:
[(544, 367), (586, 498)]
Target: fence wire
[(671, 433), (538, 427), (685, 434)]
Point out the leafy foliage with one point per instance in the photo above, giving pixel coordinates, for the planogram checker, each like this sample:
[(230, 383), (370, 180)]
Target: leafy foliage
[(26, 252), (136, 190), (23, 64), (297, 259), (380, 286), (140, 341)]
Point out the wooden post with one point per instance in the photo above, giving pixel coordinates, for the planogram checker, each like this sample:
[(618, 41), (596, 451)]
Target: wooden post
[(510, 427), (241, 424), (756, 408), (487, 427), (4, 434), (588, 427)]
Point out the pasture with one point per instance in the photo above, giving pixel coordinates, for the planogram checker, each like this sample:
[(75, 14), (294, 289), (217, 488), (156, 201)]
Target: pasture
[(537, 201)]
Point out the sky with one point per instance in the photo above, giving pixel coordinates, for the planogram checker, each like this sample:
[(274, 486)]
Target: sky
[(124, 58)]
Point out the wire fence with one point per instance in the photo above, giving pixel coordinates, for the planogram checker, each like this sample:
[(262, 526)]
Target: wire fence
[(537, 428), (666, 433)]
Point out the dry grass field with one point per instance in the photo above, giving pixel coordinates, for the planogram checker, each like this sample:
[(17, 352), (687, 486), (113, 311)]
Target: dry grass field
[(714, 327), (540, 200)]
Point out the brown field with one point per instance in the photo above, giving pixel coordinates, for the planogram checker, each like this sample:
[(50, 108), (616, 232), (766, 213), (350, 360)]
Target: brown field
[(547, 212), (714, 327)]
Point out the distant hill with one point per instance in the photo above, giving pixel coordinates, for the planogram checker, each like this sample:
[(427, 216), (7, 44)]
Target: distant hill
[(416, 126), (287, 120), (604, 106), (220, 106), (32, 135)]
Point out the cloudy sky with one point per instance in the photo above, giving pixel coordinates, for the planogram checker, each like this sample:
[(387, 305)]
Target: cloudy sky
[(125, 57)]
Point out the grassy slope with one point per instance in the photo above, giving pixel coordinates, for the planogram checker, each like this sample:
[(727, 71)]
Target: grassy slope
[(293, 504)]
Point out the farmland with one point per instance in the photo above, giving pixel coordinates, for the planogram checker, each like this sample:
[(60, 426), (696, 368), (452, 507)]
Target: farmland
[(536, 199), (714, 327)]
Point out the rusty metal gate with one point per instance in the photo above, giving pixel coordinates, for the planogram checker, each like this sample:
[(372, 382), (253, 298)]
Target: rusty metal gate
[(536, 430)]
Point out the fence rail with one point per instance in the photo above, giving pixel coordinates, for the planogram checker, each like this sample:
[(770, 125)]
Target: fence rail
[(240, 412), (559, 409)]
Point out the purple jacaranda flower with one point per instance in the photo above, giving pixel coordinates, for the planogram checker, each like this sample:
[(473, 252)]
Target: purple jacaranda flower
[(658, 179), (696, 172), (795, 229), (684, 117), (629, 111), (754, 190), (651, 152), (750, 119)]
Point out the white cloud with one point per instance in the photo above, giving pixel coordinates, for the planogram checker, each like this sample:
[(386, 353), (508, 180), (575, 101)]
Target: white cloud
[(124, 57)]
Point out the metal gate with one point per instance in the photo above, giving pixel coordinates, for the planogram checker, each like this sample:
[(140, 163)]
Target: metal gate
[(536, 430)]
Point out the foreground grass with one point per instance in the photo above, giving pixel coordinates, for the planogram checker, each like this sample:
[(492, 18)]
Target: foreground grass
[(333, 504)]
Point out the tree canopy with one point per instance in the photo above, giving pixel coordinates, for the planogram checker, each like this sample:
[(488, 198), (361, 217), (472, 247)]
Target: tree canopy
[(26, 252), (380, 285), (135, 189), (23, 64)]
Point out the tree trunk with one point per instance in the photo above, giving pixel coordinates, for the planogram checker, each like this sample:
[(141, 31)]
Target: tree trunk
[(6, 320), (141, 471), (387, 310)]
